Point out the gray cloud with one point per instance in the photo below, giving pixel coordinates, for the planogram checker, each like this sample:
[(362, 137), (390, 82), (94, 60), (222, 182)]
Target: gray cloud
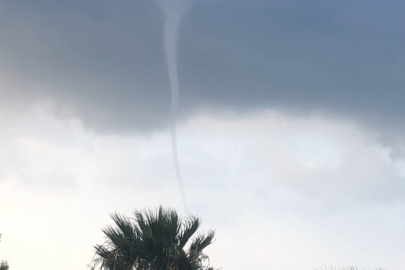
[(103, 62)]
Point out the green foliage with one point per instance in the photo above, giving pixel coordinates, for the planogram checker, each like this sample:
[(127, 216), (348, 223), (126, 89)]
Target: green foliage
[(153, 240), (4, 265)]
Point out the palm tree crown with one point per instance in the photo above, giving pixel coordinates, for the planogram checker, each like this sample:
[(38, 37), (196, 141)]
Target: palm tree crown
[(153, 240)]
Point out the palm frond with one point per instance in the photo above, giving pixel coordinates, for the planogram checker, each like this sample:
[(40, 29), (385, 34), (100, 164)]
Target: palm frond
[(125, 225), (190, 227), (199, 243)]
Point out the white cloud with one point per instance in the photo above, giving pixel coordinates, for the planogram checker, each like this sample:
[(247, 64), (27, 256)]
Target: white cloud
[(248, 178)]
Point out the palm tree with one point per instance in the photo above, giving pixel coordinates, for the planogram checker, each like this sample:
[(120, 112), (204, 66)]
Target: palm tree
[(153, 240)]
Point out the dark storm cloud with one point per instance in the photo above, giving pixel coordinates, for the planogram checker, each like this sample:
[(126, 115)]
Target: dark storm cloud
[(103, 61)]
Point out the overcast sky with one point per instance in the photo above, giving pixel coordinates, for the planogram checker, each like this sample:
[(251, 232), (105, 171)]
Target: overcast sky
[(290, 128)]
